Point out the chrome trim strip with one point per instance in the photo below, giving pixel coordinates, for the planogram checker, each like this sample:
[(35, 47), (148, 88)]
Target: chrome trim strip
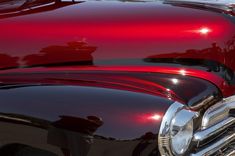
[(218, 112), (216, 146), (230, 153), (215, 120), (226, 7), (213, 130)]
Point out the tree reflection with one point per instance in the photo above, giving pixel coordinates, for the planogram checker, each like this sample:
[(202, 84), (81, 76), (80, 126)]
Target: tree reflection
[(74, 53), (7, 61), (229, 52), (217, 59)]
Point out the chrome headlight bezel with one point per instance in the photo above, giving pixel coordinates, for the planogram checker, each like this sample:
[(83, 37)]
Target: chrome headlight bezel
[(176, 116)]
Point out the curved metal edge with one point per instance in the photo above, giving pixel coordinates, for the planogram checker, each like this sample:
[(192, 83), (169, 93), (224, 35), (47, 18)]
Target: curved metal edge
[(164, 133), (212, 149), (215, 120), (218, 112), (202, 135), (224, 6)]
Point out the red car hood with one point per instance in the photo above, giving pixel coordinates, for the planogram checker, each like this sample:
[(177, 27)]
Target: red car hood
[(115, 33)]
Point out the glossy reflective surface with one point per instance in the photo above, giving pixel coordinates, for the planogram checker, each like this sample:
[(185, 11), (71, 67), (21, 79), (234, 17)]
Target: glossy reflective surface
[(95, 78), (92, 113), (108, 33), (173, 87)]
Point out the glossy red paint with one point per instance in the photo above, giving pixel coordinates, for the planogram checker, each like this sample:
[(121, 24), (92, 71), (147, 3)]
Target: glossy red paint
[(145, 118), (106, 34), (103, 79), (217, 80), (155, 117)]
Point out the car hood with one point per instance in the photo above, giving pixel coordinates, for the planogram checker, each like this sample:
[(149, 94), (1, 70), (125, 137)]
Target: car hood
[(118, 33), (115, 32), (110, 70), (133, 101)]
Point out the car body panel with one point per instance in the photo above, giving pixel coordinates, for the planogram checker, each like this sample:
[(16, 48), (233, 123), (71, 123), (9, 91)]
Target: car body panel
[(93, 113), (108, 33), (96, 77)]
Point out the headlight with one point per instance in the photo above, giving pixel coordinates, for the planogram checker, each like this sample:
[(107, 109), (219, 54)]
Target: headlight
[(181, 131), (176, 130)]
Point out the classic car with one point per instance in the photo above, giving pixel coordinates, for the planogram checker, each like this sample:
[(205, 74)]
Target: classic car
[(117, 78)]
